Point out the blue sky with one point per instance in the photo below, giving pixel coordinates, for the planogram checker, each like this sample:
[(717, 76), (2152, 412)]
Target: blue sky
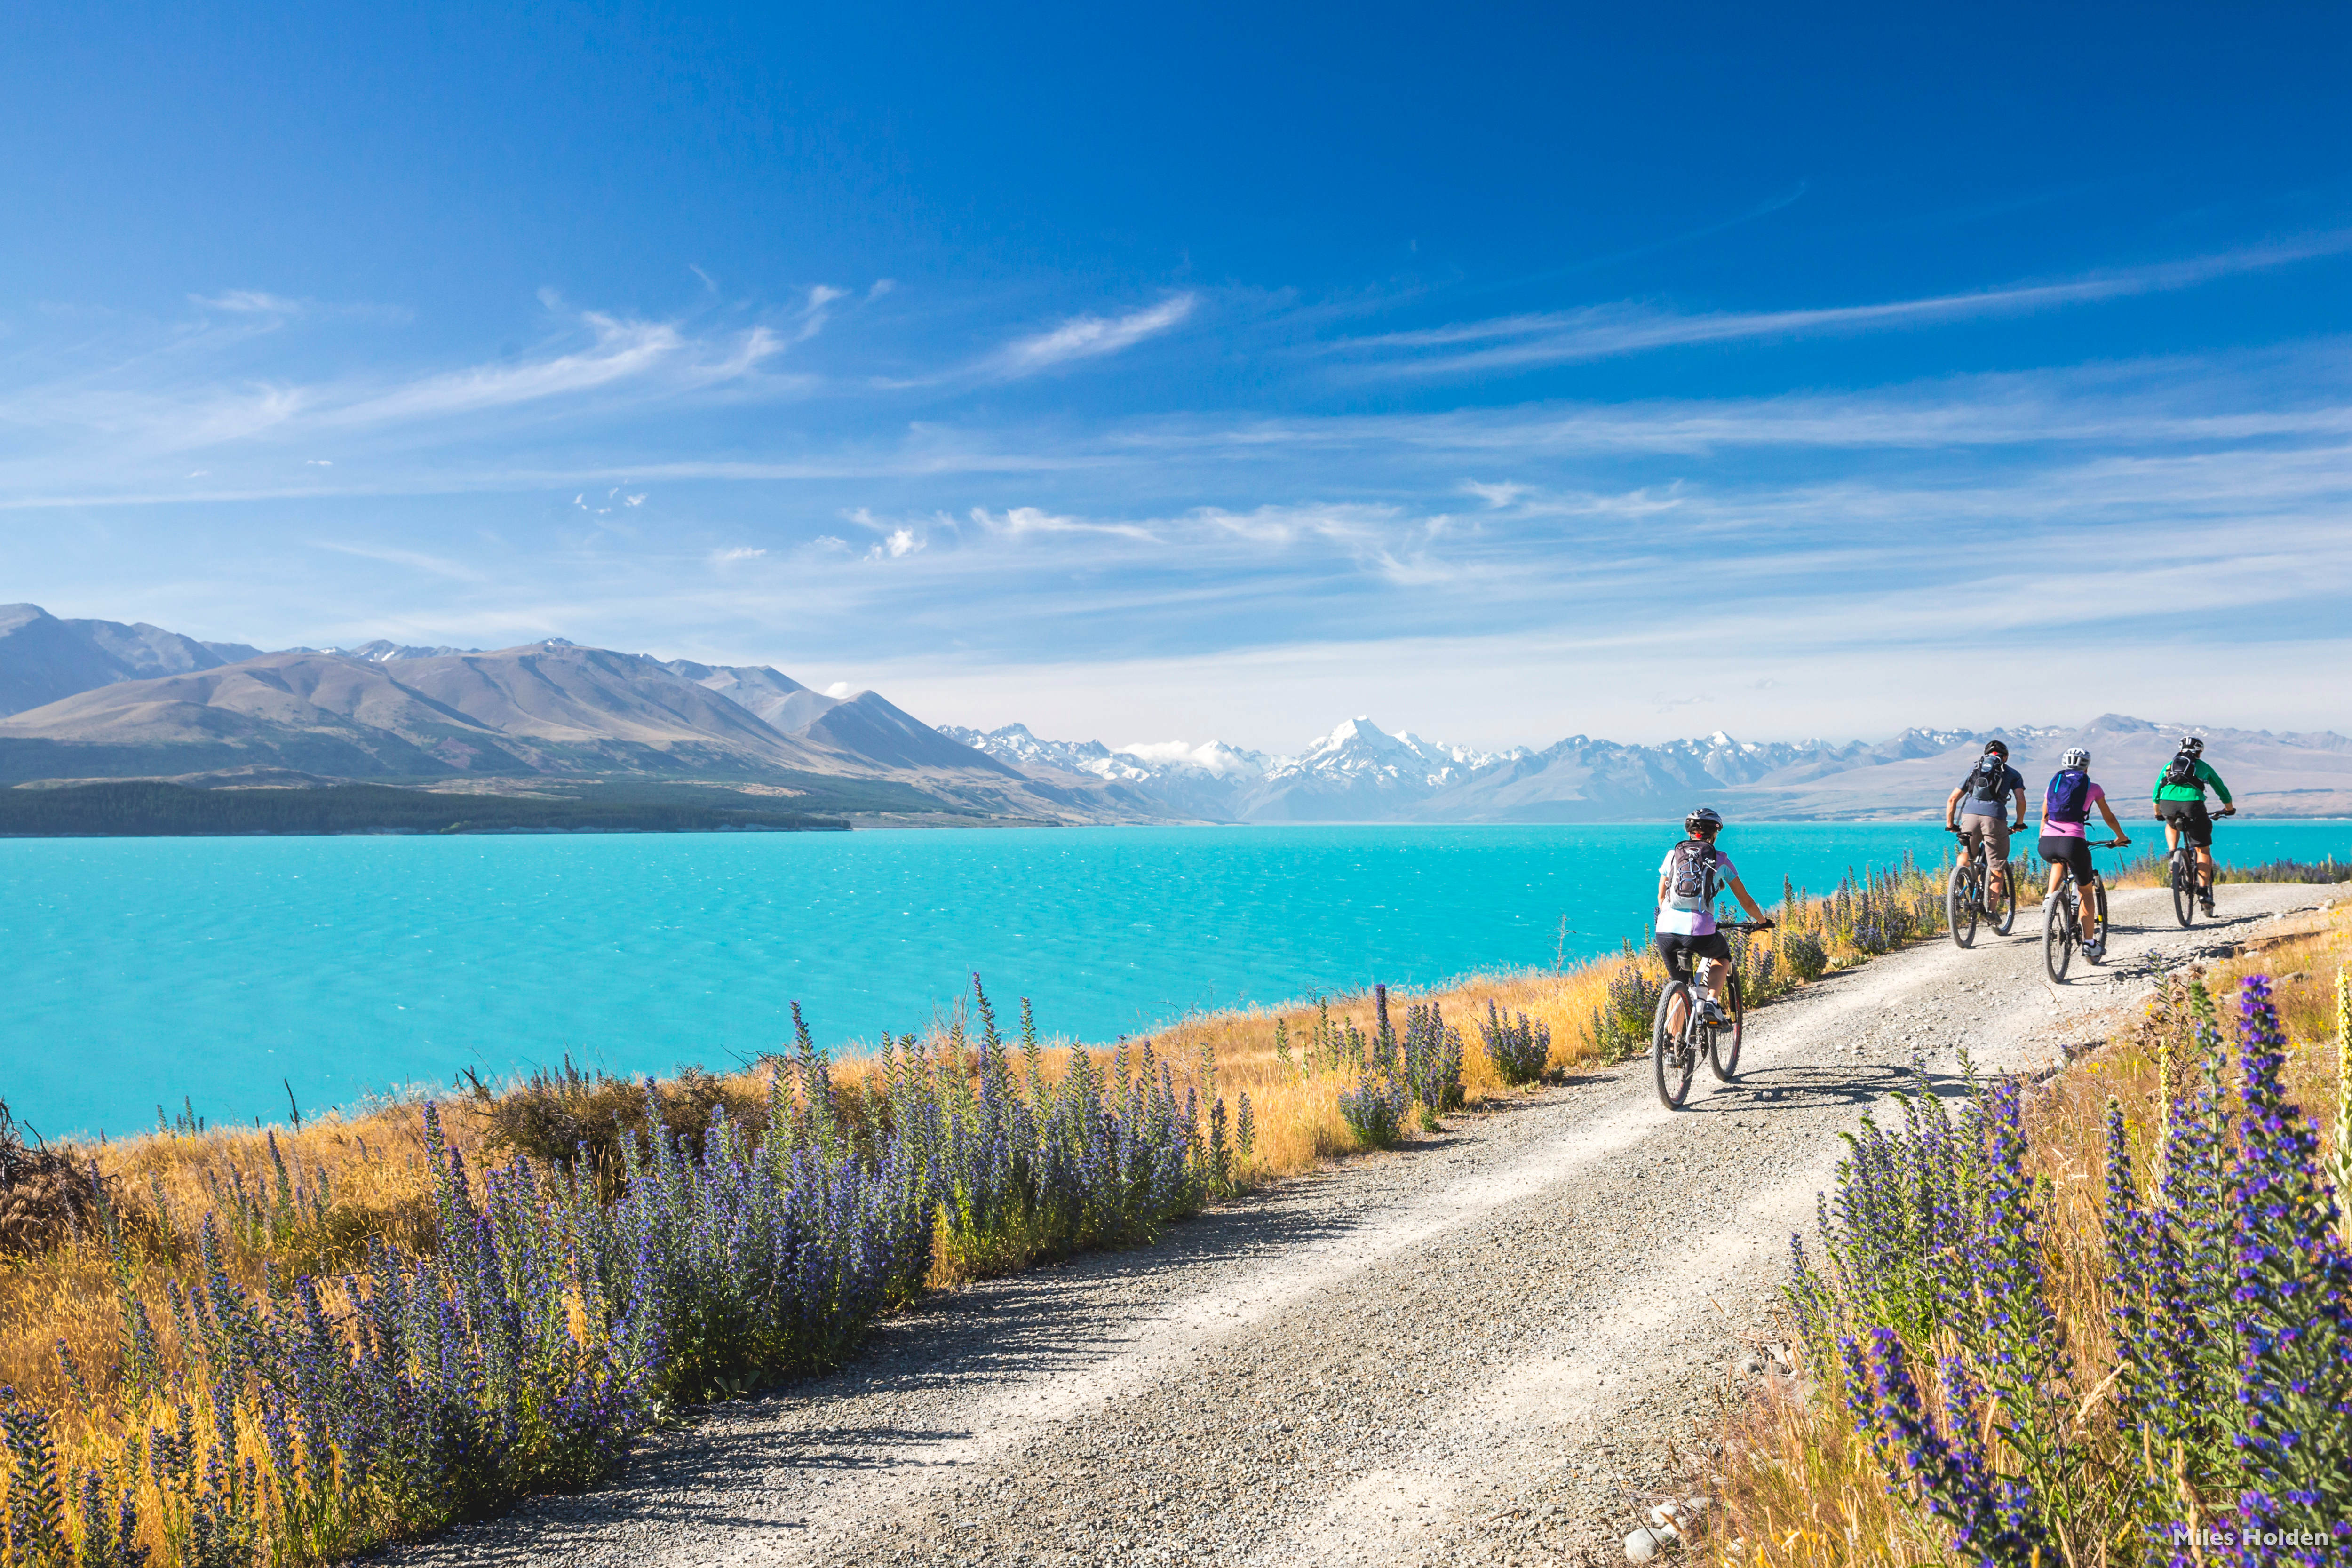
[(1497, 372)]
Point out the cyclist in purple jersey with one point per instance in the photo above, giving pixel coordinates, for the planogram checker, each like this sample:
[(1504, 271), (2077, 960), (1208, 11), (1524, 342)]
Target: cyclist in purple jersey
[(2065, 841)]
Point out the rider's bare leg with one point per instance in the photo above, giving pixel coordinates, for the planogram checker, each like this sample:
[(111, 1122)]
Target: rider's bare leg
[(1706, 972), (2090, 893), (2205, 871)]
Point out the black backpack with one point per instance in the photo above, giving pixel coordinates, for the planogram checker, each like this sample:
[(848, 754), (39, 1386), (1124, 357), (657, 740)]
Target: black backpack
[(1985, 783), (2182, 770)]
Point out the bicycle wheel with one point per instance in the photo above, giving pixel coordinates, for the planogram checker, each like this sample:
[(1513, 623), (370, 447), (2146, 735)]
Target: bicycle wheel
[(2184, 888), (1723, 1043), (2099, 902), (2002, 906), (1960, 904), (1670, 1049), (2058, 919)]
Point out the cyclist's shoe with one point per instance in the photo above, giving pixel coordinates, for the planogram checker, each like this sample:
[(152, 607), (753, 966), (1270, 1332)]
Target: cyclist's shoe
[(1713, 1012), (2208, 902), (2094, 951)]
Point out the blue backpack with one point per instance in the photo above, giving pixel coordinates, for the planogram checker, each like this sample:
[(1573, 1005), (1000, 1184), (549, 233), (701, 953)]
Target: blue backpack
[(2068, 798)]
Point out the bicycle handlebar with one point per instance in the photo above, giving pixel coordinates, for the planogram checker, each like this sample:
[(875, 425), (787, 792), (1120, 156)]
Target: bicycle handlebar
[(1744, 925)]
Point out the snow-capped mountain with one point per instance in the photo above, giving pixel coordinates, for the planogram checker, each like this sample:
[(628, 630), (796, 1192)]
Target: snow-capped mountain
[(1360, 773), (1205, 781), (1134, 764), (1357, 772)]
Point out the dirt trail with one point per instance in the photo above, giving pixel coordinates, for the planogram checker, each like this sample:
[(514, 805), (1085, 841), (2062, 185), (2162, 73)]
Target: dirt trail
[(1487, 1347)]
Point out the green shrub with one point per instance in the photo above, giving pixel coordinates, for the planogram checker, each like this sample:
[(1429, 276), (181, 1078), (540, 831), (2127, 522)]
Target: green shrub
[(1807, 956), (1375, 1111)]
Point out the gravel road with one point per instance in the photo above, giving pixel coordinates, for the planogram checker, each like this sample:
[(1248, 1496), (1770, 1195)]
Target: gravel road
[(1495, 1345)]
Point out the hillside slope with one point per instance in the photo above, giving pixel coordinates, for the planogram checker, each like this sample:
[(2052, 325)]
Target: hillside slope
[(44, 657), (545, 710)]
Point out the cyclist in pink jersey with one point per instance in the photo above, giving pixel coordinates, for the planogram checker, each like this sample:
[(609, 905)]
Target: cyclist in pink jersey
[(2065, 841)]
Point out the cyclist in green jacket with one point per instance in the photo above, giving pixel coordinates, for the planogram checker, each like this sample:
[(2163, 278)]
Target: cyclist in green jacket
[(2180, 806)]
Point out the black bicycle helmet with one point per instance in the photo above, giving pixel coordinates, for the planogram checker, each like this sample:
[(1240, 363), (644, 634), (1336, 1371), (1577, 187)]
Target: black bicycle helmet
[(1997, 748), (1702, 816)]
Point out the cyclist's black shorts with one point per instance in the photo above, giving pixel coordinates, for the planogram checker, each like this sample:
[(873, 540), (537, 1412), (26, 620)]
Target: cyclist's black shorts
[(2075, 854), (2196, 824), (1678, 950)]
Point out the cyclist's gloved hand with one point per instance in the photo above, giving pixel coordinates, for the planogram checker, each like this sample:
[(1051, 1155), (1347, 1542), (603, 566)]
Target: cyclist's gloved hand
[(1766, 924)]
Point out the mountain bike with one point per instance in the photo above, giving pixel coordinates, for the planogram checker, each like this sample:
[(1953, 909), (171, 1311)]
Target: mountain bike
[(1965, 894), (1675, 1053), (2188, 889), (2061, 918)]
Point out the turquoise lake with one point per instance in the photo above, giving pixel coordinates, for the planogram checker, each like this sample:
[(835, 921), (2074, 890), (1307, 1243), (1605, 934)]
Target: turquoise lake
[(137, 972)]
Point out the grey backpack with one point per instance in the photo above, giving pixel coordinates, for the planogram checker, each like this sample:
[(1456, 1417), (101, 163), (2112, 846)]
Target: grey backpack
[(1691, 883)]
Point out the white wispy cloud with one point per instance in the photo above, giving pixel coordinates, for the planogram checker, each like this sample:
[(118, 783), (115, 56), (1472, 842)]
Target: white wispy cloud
[(250, 302), (899, 539), (815, 313), (265, 310), (622, 350), (1091, 337), (1015, 522), (439, 566), (1599, 332), (151, 404)]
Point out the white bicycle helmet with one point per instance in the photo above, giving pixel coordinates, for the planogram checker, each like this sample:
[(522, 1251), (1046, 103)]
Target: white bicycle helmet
[(2075, 757), (2192, 744)]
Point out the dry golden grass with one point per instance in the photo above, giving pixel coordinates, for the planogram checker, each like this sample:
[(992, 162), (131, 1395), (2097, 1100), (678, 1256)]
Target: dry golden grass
[(1802, 1492), (1801, 1488)]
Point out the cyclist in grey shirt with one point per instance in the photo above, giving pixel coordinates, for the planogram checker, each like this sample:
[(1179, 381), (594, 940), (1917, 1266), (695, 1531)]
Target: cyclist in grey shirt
[(1979, 809)]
